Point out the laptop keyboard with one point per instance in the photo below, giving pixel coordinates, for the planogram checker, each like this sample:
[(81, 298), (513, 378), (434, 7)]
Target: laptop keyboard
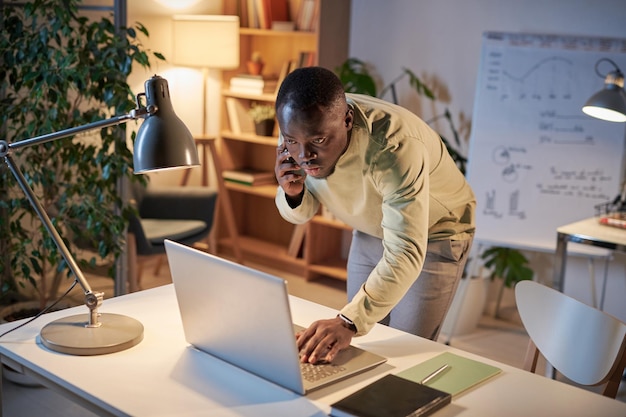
[(313, 373)]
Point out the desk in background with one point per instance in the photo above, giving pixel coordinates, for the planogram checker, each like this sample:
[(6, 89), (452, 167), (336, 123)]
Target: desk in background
[(164, 376), (587, 232)]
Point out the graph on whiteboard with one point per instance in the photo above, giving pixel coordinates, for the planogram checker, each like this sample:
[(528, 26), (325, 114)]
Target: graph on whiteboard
[(536, 162)]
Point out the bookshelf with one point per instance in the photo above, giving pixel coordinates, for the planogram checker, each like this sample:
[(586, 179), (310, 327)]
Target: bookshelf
[(262, 235)]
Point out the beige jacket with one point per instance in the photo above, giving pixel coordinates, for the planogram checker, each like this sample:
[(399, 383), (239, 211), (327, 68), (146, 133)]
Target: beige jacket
[(396, 181)]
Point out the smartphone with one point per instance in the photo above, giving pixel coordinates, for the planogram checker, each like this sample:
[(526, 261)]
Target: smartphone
[(299, 171)]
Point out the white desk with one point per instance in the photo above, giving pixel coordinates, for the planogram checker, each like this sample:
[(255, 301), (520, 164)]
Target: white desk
[(587, 232), (162, 376)]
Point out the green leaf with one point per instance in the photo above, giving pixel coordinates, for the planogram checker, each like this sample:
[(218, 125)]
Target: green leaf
[(418, 85), (60, 70), (508, 264), (356, 78)]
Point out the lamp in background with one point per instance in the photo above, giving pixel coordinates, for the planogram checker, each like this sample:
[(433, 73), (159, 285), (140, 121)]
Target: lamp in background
[(610, 103), (163, 142), (209, 41), (206, 41)]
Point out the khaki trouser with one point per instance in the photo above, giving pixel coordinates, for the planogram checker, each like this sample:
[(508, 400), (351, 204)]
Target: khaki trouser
[(424, 307)]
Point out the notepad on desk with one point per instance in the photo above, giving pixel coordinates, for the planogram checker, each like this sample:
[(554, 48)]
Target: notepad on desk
[(463, 373)]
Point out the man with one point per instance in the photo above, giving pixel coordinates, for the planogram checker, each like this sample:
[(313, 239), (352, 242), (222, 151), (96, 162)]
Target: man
[(383, 171)]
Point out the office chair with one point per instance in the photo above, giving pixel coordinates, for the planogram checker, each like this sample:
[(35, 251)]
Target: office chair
[(181, 214), (583, 343)]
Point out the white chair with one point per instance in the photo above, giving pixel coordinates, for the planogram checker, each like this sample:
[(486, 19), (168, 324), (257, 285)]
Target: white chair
[(583, 343)]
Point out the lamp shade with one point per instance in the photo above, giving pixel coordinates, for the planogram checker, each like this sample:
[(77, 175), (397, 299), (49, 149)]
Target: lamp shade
[(163, 141), (609, 103), (206, 41)]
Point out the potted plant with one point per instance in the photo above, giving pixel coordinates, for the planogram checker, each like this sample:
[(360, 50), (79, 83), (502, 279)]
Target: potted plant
[(508, 264), (62, 70), (255, 64), (263, 116)]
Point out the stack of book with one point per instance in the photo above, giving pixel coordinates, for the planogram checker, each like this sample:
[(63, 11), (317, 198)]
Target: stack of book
[(248, 176), (276, 14), (253, 84)]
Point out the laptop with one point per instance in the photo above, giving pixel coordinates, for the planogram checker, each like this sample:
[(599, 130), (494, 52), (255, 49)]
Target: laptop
[(242, 316)]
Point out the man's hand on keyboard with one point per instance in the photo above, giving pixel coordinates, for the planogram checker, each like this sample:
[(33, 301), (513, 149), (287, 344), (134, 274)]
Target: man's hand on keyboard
[(323, 340)]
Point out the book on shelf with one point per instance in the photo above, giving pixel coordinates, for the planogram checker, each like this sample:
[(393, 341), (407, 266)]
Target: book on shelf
[(238, 117), (261, 14), (463, 373), (250, 80), (283, 25), (294, 9), (270, 11), (253, 15), (307, 15), (261, 8), (258, 14), (255, 91), (279, 10), (238, 7), (249, 176), (391, 396), (286, 68), (306, 59), (253, 84)]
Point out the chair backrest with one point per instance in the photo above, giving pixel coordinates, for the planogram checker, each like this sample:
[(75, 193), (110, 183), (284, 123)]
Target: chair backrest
[(583, 343)]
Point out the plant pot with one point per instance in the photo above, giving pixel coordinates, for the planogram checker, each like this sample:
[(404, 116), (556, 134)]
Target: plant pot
[(255, 68), (265, 127)]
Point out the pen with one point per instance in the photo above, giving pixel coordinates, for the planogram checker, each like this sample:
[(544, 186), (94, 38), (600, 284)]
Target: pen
[(434, 374)]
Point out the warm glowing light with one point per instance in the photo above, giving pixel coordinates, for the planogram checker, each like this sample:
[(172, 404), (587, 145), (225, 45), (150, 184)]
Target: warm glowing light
[(179, 4)]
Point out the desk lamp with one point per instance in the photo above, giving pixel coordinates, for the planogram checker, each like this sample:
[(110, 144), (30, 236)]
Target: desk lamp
[(163, 142), (610, 103)]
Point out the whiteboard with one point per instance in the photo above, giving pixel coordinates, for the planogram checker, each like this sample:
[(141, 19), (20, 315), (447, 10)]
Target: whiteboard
[(536, 161)]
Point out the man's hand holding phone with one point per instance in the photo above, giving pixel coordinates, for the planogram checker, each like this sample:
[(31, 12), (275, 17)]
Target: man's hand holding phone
[(289, 174)]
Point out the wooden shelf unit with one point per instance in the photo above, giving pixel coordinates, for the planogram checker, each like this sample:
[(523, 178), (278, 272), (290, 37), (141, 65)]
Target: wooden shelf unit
[(262, 235)]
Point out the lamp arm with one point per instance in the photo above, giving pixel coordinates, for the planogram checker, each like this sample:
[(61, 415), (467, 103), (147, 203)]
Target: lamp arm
[(49, 137), (92, 300)]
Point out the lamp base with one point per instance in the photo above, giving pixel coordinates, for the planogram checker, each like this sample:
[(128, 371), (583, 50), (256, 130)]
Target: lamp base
[(69, 335)]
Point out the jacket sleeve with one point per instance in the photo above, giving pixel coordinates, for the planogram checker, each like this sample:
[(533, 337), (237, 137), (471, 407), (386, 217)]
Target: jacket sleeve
[(404, 185), (298, 215)]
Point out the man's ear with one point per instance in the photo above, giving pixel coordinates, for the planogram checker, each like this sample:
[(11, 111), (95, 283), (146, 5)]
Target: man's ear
[(349, 119)]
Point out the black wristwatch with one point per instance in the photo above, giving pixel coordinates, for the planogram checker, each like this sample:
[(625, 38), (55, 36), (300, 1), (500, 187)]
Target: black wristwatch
[(349, 323)]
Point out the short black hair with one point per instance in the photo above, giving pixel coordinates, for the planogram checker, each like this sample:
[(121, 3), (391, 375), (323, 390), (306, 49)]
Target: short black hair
[(310, 87)]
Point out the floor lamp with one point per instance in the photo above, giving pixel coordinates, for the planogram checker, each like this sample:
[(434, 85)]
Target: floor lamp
[(209, 42), (163, 141)]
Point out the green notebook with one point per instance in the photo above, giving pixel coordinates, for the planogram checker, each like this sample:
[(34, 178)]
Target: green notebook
[(462, 374)]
